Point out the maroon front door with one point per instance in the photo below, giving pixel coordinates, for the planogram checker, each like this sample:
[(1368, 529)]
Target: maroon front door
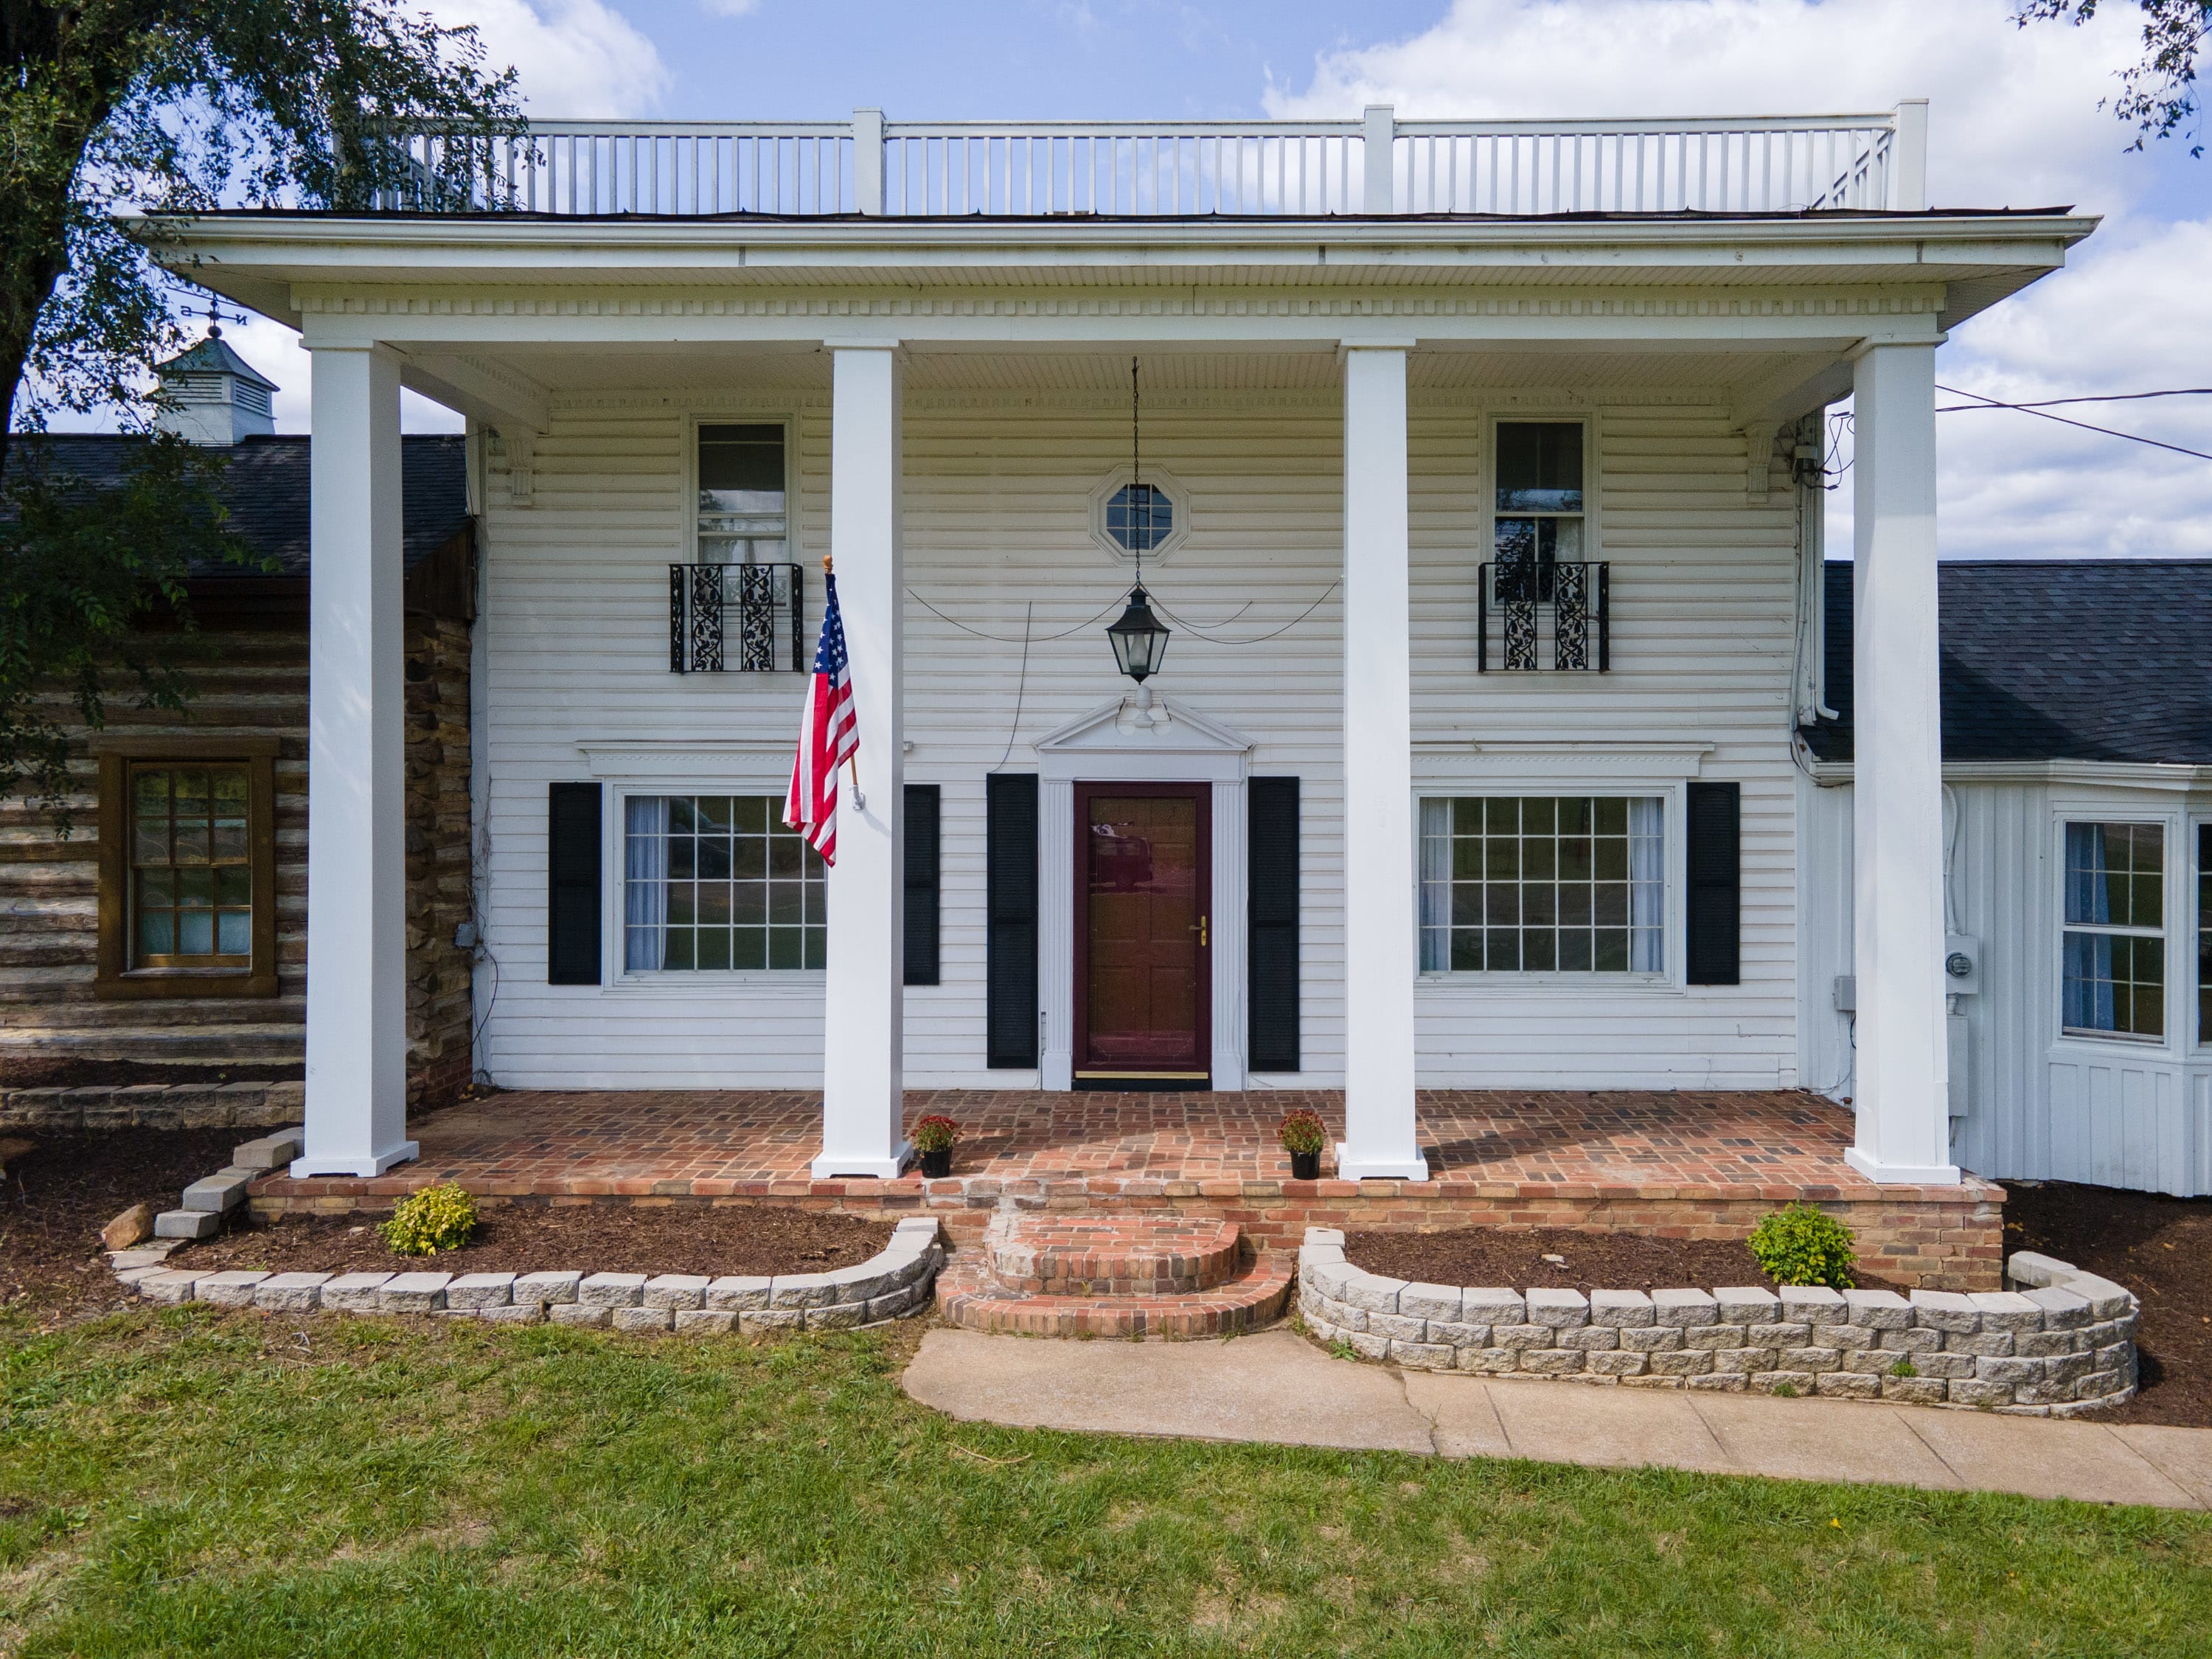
[(1142, 952)]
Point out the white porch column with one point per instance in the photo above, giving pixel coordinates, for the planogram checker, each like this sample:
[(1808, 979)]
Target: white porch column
[(1904, 1121), (357, 1121), (863, 1059), (1379, 914)]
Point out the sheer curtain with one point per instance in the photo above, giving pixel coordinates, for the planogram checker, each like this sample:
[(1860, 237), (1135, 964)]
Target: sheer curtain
[(1436, 885), (645, 881), (1647, 888), (2090, 1005)]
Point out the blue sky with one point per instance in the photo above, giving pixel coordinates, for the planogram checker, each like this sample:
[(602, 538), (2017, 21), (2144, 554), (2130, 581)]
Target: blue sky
[(2015, 121)]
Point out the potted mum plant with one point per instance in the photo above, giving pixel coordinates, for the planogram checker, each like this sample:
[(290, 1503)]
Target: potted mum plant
[(933, 1138), (1302, 1134)]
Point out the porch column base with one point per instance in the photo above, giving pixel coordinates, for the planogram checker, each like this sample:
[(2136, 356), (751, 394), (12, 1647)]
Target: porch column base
[(375, 1164), (1351, 1168), (830, 1166), (1902, 1175)]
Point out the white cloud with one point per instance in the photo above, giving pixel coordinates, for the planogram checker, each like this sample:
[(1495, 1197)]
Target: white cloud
[(578, 60), (730, 8), (2014, 121)]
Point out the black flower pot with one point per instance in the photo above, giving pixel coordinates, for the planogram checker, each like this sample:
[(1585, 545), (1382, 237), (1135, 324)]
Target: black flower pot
[(937, 1162), (1305, 1166)]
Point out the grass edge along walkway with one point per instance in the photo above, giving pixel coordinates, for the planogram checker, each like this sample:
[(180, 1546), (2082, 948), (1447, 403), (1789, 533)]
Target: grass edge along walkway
[(189, 1479)]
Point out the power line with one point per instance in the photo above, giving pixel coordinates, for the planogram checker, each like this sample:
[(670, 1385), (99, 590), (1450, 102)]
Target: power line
[(2045, 415), (2053, 402)]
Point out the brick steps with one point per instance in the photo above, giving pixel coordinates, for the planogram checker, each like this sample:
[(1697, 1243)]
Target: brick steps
[(1125, 1276)]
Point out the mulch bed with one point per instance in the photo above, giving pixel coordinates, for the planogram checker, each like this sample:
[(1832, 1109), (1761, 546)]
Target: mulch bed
[(1614, 1261), (612, 1238), (54, 1199), (2160, 1249)]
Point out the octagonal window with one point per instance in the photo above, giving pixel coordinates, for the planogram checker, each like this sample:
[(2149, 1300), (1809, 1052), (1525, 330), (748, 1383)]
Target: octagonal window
[(1140, 517)]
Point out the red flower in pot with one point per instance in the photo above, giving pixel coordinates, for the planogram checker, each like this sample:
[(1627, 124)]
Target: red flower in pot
[(933, 1138), (1303, 1135)]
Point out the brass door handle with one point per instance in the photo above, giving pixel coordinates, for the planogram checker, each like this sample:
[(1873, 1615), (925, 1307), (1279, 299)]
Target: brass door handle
[(1198, 928)]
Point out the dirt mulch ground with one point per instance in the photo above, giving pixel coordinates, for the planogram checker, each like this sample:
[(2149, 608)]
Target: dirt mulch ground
[(1615, 1261), (54, 1199), (2160, 1249), (612, 1238)]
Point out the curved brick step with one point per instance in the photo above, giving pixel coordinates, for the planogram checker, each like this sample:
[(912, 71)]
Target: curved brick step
[(968, 1295), (1099, 1255)]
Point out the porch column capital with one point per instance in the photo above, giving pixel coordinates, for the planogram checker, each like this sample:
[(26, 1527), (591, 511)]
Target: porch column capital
[(1903, 1133), (356, 1092)]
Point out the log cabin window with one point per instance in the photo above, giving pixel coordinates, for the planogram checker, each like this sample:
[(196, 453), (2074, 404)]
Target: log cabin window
[(1521, 884), (187, 892), (718, 882), (2114, 957)]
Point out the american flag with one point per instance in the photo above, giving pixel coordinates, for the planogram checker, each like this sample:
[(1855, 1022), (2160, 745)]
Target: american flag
[(828, 736)]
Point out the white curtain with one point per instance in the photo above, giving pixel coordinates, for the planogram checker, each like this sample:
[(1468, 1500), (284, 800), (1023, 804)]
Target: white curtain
[(1647, 878), (645, 881), (1436, 885)]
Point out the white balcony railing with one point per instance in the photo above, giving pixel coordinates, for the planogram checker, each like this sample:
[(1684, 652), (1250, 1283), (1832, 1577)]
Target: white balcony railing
[(1378, 165)]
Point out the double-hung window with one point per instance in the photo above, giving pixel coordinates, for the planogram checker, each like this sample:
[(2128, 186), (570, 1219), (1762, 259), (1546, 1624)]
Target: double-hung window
[(741, 515), (717, 881), (1541, 884), (2114, 949), (1539, 511)]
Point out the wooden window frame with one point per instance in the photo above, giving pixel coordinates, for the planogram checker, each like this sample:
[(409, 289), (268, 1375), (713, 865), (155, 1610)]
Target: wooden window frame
[(115, 979)]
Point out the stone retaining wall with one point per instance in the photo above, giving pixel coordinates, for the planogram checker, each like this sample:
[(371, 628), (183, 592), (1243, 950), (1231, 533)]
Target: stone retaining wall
[(155, 1106), (2063, 1346), (894, 1282)]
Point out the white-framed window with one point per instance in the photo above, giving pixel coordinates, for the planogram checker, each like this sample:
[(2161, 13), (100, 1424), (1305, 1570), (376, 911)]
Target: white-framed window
[(1543, 884), (2112, 948), (716, 882), (1539, 503), (742, 505), (2205, 933)]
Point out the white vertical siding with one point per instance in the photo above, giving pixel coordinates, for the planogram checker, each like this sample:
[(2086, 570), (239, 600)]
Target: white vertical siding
[(997, 522)]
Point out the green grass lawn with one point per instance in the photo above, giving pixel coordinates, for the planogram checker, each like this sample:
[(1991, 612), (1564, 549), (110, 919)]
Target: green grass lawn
[(187, 1481)]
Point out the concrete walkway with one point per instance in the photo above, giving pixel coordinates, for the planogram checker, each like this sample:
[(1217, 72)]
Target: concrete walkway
[(1277, 1387)]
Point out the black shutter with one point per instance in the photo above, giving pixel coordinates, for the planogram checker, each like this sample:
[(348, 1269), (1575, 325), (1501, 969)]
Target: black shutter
[(1010, 900), (922, 900), (1272, 912), (572, 884), (1716, 891)]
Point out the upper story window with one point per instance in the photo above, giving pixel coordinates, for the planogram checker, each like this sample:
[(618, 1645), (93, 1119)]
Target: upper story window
[(2113, 952), (743, 517), (1539, 505), (1140, 517), (716, 881), (1541, 884)]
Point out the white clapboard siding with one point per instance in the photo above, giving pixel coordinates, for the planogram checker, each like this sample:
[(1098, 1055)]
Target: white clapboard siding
[(2040, 1105), (997, 517)]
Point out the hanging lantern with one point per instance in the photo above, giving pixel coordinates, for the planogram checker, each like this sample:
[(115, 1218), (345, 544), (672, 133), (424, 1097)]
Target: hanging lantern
[(1140, 639)]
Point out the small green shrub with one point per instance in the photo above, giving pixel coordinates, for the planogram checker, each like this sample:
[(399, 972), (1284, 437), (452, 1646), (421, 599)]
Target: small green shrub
[(436, 1218), (1799, 1245)]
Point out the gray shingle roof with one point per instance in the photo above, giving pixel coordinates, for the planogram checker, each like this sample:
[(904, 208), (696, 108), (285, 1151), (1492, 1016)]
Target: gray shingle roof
[(266, 487), (2095, 659)]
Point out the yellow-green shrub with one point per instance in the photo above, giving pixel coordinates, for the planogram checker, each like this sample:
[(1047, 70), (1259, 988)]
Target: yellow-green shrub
[(436, 1218), (1800, 1245)]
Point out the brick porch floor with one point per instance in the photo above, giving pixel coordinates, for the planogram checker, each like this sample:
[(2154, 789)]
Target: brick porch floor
[(1696, 1164)]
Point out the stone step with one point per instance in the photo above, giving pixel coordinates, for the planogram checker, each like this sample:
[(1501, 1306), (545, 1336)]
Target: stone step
[(1098, 1255), (968, 1295)]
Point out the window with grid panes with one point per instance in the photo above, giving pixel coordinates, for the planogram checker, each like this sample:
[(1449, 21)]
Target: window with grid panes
[(1539, 884), (718, 882), (192, 868), (2113, 953)]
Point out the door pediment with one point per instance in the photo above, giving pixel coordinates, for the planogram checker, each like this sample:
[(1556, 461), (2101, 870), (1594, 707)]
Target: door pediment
[(1135, 738)]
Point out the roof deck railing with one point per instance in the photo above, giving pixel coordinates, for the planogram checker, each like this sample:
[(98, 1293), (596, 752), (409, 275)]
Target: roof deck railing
[(1282, 169)]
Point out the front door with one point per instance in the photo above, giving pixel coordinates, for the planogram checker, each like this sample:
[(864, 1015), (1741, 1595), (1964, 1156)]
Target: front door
[(1144, 886)]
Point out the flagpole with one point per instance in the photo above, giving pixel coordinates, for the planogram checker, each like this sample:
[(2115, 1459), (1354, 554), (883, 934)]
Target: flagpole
[(860, 800)]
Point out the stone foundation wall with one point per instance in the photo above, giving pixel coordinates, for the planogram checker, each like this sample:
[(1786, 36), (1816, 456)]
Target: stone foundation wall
[(155, 1106), (2063, 1346)]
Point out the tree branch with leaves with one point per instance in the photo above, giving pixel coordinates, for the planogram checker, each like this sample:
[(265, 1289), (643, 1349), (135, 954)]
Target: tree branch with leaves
[(161, 107), (2158, 92)]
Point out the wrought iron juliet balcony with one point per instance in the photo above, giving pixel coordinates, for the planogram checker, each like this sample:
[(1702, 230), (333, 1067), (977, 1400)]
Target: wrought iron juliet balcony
[(1377, 165), (749, 619), (1534, 602)]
